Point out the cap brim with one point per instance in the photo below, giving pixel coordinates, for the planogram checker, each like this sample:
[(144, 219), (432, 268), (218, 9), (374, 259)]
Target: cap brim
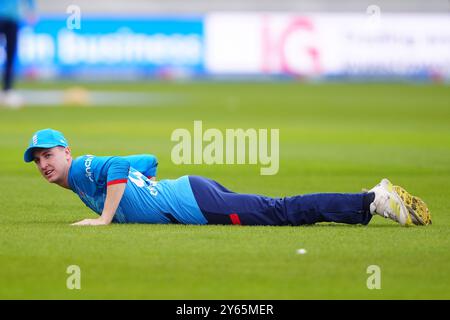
[(28, 155)]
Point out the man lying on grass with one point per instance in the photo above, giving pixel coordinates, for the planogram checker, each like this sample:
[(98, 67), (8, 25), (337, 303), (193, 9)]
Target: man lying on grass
[(122, 190)]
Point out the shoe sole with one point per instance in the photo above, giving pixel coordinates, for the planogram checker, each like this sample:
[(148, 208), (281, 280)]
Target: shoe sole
[(416, 206)]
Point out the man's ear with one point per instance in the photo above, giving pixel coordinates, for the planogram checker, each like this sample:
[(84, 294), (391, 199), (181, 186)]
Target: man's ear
[(68, 153)]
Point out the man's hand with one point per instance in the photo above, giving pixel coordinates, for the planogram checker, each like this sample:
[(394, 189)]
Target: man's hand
[(31, 19), (91, 222)]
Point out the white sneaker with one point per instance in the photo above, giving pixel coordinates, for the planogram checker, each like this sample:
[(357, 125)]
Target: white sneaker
[(11, 99), (388, 204)]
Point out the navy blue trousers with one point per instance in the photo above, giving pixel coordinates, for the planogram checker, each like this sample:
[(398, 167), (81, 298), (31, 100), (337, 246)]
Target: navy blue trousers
[(9, 29), (222, 206)]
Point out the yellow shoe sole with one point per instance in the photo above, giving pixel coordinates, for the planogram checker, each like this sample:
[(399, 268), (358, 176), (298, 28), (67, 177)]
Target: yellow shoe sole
[(416, 207)]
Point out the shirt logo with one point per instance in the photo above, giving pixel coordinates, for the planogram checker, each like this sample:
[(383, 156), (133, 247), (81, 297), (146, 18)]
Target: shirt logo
[(87, 164)]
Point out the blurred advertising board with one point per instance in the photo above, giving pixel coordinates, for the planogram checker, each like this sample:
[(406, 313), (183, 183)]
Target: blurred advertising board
[(240, 44), (108, 46), (328, 45)]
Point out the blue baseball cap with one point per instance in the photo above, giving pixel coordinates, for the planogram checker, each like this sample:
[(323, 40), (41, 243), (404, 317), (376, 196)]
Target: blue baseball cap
[(46, 138)]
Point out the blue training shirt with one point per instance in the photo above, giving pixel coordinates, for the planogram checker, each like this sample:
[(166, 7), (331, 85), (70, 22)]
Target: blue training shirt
[(144, 201), (14, 9)]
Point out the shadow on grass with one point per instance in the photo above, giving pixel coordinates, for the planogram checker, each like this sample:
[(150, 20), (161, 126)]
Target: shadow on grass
[(349, 226), (316, 226)]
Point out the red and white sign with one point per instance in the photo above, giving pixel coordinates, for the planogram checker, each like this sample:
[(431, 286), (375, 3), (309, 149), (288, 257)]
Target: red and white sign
[(327, 44)]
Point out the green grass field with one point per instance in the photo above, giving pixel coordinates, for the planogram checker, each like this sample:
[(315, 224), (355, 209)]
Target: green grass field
[(333, 138)]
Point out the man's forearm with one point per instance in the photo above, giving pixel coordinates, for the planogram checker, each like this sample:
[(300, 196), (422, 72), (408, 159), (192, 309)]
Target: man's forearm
[(114, 194)]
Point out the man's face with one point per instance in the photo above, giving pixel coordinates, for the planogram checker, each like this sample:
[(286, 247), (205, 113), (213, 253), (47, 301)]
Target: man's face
[(53, 163)]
